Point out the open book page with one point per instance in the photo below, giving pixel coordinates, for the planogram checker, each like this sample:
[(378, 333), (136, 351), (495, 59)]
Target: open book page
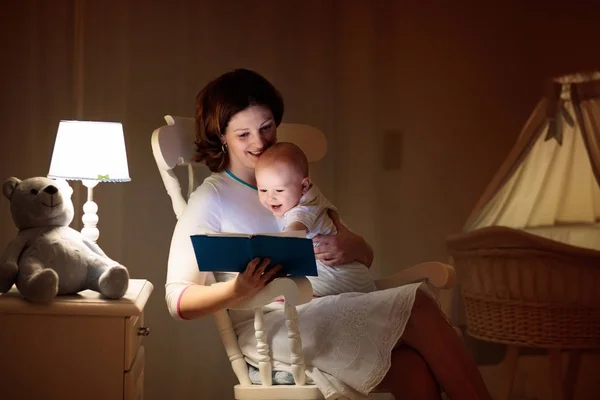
[(296, 234)]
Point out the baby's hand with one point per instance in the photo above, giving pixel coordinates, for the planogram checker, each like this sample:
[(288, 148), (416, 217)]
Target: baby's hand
[(296, 226)]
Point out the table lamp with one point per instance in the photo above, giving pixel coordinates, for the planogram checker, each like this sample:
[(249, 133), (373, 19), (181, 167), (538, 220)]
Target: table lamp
[(92, 152)]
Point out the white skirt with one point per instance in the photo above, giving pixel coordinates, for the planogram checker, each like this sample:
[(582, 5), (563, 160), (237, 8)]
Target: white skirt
[(347, 339)]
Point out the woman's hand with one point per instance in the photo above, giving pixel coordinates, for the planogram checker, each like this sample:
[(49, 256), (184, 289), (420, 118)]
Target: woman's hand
[(342, 248), (254, 278)]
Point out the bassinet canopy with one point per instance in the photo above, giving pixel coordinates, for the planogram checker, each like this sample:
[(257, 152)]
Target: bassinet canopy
[(549, 184)]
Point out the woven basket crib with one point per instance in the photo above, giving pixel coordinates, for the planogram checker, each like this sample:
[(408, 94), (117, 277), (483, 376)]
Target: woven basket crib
[(524, 290)]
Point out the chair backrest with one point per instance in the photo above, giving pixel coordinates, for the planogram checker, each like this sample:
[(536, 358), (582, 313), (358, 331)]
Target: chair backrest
[(173, 145)]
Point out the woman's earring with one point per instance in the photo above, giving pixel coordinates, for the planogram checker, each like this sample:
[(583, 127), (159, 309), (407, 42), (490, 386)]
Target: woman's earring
[(224, 148)]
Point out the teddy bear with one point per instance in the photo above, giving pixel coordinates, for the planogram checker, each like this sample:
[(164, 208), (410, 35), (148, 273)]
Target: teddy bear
[(48, 258)]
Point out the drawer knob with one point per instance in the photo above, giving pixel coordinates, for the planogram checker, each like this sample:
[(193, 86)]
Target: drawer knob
[(143, 331)]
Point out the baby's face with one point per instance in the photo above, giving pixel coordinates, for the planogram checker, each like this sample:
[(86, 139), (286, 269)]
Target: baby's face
[(279, 188)]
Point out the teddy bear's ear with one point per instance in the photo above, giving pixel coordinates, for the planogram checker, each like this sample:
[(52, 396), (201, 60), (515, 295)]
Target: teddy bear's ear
[(9, 186)]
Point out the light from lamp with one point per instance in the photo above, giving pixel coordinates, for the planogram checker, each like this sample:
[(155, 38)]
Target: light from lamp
[(89, 150)]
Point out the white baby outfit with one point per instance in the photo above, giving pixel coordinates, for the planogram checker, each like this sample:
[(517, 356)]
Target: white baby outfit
[(311, 211)]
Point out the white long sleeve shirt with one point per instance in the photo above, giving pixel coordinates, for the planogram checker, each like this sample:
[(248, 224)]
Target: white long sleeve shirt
[(220, 204)]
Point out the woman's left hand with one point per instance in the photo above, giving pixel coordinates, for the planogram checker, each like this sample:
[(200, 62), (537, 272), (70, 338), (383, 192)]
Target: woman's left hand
[(342, 248)]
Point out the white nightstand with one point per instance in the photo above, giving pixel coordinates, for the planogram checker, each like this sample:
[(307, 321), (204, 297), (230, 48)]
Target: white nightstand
[(77, 347)]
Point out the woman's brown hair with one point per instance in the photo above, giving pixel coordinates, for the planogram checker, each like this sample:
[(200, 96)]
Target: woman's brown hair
[(219, 101)]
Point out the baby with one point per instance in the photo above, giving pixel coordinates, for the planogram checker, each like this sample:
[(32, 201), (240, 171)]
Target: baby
[(286, 190)]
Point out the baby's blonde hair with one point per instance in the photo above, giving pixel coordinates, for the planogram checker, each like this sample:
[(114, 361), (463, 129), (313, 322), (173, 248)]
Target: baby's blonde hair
[(286, 153)]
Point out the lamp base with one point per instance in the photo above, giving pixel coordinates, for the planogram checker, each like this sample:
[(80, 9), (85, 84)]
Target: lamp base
[(90, 216)]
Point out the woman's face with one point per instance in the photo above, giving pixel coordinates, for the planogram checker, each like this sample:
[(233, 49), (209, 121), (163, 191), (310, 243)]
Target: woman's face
[(249, 133)]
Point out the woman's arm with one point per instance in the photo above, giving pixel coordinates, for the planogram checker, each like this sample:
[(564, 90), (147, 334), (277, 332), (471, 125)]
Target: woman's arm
[(344, 247), (188, 292), (197, 301)]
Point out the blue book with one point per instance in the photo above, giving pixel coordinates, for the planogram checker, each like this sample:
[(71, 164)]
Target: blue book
[(231, 252)]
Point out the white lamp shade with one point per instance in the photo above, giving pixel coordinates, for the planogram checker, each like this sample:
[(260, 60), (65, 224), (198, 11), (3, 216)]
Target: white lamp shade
[(89, 150)]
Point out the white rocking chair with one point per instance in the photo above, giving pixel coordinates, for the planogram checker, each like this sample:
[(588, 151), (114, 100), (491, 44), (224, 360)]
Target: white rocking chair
[(173, 145)]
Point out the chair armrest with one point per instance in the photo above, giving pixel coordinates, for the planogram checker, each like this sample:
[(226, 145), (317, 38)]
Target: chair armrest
[(296, 290), (437, 274)]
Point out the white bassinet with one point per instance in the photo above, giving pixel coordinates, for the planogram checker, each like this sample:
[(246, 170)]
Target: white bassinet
[(528, 261)]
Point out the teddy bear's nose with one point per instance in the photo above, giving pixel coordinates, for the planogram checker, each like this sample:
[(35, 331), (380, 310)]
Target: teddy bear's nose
[(50, 189)]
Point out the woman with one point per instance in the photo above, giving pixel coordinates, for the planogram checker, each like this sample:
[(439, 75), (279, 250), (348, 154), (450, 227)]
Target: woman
[(397, 338)]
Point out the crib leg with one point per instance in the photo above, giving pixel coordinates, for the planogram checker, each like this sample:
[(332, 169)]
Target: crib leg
[(511, 361), (556, 374), (572, 373)]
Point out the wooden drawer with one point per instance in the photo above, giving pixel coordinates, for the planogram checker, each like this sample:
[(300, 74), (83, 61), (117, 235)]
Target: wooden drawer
[(133, 383), (76, 347), (134, 334)]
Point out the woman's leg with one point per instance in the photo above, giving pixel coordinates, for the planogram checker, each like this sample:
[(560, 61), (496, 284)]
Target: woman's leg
[(409, 377), (429, 333)]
